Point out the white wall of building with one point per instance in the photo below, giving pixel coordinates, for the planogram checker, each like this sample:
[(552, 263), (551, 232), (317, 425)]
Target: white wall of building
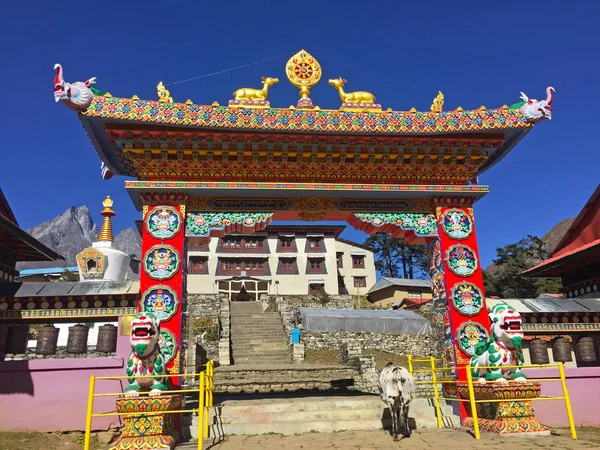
[(290, 284)]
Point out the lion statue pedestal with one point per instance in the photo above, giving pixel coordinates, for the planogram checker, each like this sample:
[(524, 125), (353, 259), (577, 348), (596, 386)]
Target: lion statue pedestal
[(508, 418), (144, 431)]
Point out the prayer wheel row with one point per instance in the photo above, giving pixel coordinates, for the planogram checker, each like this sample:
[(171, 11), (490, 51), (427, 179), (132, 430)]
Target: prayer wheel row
[(47, 339), (561, 350)]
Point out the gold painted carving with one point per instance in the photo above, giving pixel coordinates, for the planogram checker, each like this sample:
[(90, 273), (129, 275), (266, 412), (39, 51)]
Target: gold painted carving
[(438, 102), (164, 96), (356, 98), (198, 203), (303, 71), (314, 204), (250, 94)]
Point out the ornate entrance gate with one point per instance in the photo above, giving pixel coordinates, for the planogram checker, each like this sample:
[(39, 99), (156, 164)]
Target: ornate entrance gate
[(205, 171)]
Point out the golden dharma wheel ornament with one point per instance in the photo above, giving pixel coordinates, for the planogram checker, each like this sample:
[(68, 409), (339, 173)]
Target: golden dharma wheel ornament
[(303, 71)]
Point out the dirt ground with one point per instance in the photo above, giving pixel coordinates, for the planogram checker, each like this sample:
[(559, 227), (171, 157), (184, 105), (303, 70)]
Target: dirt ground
[(332, 357), (429, 440), (45, 441), (589, 438)]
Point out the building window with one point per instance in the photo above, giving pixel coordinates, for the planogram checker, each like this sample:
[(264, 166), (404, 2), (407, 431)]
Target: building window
[(287, 266), (315, 244), (316, 289), (340, 260), (236, 266), (360, 282), (414, 294), (358, 261), (198, 247), (286, 244), (316, 265), (198, 265), (240, 245)]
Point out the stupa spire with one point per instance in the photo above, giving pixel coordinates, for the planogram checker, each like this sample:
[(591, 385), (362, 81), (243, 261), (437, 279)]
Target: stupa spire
[(106, 233)]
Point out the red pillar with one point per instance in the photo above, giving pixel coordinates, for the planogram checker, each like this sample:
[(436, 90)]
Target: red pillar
[(469, 321), (162, 286)]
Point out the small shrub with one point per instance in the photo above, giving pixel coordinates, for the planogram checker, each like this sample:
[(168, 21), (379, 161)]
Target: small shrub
[(208, 325)]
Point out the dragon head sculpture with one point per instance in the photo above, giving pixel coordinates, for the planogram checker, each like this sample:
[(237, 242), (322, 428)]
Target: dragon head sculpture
[(145, 331), (507, 325), (76, 96), (536, 110)]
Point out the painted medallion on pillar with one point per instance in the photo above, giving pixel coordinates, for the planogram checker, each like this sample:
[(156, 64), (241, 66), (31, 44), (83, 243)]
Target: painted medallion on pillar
[(167, 342), (160, 300), (461, 260), (457, 224), (469, 335), (161, 262), (467, 299), (163, 222)]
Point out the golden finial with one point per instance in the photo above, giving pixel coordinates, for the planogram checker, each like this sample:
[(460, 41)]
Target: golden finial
[(135, 97), (215, 103), (106, 233), (189, 102), (481, 108), (459, 109), (108, 94), (438, 102), (164, 96), (412, 110), (303, 71)]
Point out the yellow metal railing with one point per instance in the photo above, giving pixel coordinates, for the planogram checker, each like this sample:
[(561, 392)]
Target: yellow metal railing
[(473, 402), (205, 401)]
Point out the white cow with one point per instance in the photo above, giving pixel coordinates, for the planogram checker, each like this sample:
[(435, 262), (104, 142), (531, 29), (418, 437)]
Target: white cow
[(397, 388)]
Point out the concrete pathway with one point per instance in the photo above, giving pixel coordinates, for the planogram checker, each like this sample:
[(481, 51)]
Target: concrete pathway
[(421, 440)]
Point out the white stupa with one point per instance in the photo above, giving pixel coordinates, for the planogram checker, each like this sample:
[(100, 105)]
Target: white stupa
[(101, 261)]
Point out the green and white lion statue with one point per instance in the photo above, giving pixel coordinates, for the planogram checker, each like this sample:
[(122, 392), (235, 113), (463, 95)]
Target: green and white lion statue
[(145, 357), (503, 348)]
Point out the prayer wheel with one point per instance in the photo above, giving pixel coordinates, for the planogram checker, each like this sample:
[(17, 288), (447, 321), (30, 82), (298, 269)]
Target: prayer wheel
[(16, 339), (77, 340), (584, 350), (538, 351), (561, 350), (107, 339), (47, 340)]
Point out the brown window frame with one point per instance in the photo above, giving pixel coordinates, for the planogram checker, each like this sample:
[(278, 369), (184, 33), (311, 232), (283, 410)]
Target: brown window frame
[(361, 285), (339, 257), (287, 266), (316, 265), (289, 247), (320, 248), (312, 291), (198, 265), (360, 265)]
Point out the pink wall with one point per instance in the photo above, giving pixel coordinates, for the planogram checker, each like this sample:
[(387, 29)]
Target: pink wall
[(583, 384), (51, 394)]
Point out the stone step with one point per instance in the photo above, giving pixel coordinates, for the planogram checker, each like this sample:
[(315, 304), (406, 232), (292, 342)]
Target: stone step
[(293, 372), (261, 360), (237, 353), (295, 415), (260, 344)]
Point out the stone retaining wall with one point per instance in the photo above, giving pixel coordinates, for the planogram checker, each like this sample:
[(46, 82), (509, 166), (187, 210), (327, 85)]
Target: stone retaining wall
[(209, 306), (61, 353), (418, 345)]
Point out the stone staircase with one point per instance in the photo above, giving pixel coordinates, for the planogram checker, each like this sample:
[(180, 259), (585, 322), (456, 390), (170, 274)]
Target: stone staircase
[(257, 337), (270, 378), (324, 414)]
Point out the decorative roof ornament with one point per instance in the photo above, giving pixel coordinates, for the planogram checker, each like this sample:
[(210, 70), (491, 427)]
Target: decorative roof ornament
[(304, 72), (355, 101), (535, 110), (438, 102), (77, 96), (106, 233), (164, 96), (253, 98)]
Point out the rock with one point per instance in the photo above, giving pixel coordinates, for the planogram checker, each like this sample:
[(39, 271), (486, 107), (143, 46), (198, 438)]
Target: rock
[(104, 437)]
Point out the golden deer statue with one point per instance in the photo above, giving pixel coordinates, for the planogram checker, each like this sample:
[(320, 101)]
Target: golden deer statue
[(357, 98), (256, 94), (164, 96)]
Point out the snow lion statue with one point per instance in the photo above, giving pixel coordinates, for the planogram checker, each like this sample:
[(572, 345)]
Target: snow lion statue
[(503, 348), (145, 358)]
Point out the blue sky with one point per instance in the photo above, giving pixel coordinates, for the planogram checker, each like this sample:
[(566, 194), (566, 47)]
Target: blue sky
[(477, 53)]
